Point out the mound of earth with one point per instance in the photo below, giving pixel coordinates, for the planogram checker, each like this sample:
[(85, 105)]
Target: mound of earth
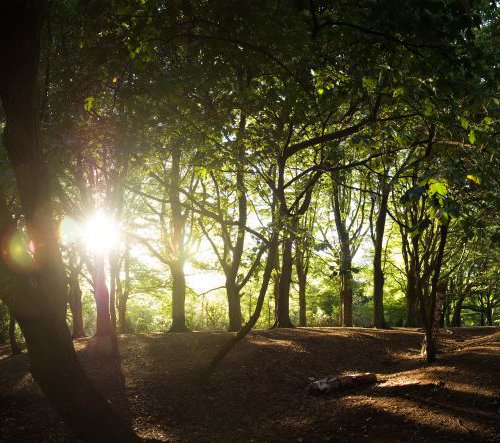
[(259, 392)]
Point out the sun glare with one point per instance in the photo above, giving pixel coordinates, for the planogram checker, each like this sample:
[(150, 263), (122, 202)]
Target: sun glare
[(100, 233)]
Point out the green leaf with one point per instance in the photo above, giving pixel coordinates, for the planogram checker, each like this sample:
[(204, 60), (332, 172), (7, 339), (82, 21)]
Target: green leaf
[(464, 122), (398, 92), (428, 108), (89, 102), (438, 188), (412, 195), (369, 83), (320, 91), (472, 136)]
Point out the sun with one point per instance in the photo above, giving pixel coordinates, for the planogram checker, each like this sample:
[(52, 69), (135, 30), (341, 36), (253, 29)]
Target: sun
[(101, 233)]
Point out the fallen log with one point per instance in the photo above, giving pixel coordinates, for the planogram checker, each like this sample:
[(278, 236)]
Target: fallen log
[(334, 384)]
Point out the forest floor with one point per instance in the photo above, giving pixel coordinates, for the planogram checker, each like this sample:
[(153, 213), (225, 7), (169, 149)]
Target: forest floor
[(259, 393)]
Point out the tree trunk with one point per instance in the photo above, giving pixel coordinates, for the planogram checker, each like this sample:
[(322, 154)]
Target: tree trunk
[(178, 297), (113, 275), (346, 264), (431, 309), (302, 279), (378, 272), (283, 301), (123, 294), (489, 315), (75, 306), (233, 290), (15, 349), (101, 295), (412, 318), (40, 298), (456, 319), (234, 305)]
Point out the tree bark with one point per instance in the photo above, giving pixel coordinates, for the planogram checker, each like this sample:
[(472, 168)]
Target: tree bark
[(378, 272), (234, 305), (101, 295), (302, 280), (431, 308), (412, 318), (283, 300), (345, 266), (75, 306), (232, 287), (178, 297), (456, 319), (40, 298), (489, 315), (176, 262), (123, 294)]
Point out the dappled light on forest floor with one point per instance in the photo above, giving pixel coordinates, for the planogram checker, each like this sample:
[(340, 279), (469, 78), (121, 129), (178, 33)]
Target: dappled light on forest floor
[(259, 391)]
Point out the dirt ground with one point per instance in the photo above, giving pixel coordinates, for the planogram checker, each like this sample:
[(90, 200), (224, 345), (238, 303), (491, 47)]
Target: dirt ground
[(259, 392)]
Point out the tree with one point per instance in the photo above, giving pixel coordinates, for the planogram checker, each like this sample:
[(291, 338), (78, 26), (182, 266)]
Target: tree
[(39, 303)]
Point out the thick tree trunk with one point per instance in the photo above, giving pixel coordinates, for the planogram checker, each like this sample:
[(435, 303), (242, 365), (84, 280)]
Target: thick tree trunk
[(346, 264), (233, 290), (75, 306), (40, 298), (302, 279), (302, 269), (122, 319), (234, 305), (14, 347), (101, 295), (489, 316), (413, 318), (431, 308), (176, 264), (456, 319), (378, 272), (123, 294), (283, 301), (178, 297)]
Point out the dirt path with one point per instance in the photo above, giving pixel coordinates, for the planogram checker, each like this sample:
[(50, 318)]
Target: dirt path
[(258, 394)]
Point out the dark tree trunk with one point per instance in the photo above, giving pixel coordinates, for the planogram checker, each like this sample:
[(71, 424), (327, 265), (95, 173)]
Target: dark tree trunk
[(232, 287), (234, 305), (15, 348), (113, 275), (346, 264), (41, 296), (456, 319), (177, 238), (431, 309), (302, 279), (101, 295), (413, 318), (283, 301), (378, 272), (178, 297), (123, 294), (75, 306), (489, 315)]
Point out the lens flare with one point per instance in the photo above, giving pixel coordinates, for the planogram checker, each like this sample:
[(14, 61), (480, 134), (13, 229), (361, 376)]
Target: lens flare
[(69, 231), (18, 251), (101, 233)]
